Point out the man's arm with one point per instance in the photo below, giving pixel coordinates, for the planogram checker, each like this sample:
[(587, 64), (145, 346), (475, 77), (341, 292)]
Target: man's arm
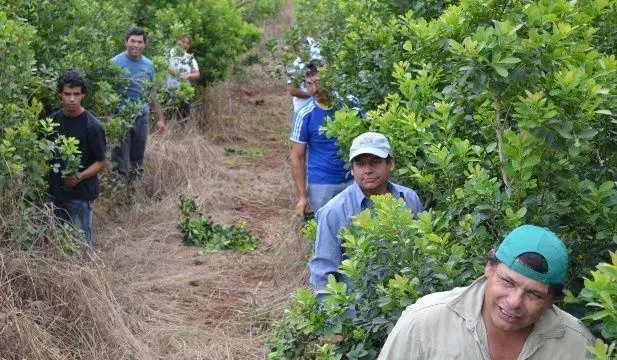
[(298, 173), (328, 254), (298, 92), (94, 168), (158, 112), (192, 76)]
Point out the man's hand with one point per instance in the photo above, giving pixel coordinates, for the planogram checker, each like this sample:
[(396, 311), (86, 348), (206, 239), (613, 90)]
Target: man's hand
[(302, 206), (71, 181), (161, 127)]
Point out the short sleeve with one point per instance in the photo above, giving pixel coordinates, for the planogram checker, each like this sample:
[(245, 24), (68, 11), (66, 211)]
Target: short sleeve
[(97, 142), (194, 65), (299, 127)]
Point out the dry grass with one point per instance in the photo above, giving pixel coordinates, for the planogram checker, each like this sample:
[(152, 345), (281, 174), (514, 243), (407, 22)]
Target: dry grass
[(144, 295), (182, 303)]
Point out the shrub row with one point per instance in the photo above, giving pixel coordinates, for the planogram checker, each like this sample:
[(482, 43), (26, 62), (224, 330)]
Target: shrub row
[(500, 113)]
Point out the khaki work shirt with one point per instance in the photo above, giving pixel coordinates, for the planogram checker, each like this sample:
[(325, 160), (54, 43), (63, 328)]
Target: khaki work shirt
[(448, 325)]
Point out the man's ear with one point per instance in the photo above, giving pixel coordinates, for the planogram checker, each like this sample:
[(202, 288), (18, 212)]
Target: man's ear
[(488, 268), (392, 162)]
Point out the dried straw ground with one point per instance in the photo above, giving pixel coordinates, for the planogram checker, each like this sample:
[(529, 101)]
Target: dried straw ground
[(144, 295)]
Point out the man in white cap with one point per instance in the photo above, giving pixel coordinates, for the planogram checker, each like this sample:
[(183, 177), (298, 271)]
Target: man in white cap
[(372, 161), (507, 314)]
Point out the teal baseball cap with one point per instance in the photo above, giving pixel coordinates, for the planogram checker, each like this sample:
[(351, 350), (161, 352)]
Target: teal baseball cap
[(535, 239)]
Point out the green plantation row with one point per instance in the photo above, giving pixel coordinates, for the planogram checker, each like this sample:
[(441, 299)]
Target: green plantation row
[(500, 113), (41, 39)]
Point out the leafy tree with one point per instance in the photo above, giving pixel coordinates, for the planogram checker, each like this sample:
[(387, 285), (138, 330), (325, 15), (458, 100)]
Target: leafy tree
[(219, 32)]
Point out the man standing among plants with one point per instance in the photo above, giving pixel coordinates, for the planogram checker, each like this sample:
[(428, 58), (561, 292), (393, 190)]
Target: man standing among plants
[(372, 162), (509, 313), (314, 156), (128, 158), (74, 194)]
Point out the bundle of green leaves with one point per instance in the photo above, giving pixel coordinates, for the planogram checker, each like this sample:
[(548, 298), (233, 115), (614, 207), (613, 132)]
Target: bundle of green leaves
[(201, 231)]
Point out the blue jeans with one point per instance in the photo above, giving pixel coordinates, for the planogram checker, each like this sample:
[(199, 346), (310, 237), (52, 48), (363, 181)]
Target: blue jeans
[(320, 194), (77, 212), (128, 158)]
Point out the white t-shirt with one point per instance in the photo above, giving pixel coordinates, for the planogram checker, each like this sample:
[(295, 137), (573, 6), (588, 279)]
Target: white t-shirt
[(180, 62)]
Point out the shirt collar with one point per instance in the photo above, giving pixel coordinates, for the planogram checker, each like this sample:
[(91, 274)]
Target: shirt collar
[(364, 201)]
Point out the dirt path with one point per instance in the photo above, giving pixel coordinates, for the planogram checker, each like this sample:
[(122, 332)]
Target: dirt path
[(184, 303)]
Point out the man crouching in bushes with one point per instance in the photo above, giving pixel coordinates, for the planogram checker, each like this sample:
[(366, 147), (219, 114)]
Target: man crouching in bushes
[(73, 195), (507, 314), (372, 161)]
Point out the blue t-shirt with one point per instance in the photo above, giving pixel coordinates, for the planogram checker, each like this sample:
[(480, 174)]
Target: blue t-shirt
[(137, 72), (324, 164)]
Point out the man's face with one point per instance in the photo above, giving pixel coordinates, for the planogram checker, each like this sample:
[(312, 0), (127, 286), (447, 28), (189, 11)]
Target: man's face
[(312, 84), (512, 301), (135, 46), (372, 173), (71, 98)]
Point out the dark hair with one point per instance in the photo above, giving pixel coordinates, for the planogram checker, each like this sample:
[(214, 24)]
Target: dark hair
[(137, 31), (535, 262), (72, 79), (312, 67)]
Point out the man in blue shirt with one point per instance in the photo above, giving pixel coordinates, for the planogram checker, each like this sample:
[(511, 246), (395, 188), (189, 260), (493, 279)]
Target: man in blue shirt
[(314, 156), (372, 161), (139, 71)]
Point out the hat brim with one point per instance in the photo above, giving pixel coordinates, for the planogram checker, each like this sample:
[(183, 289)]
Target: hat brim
[(369, 150)]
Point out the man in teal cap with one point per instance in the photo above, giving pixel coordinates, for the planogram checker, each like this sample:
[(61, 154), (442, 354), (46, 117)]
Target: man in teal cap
[(507, 314)]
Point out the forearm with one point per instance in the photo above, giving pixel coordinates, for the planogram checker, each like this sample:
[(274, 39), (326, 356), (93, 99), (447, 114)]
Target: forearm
[(94, 168), (156, 109), (193, 76), (297, 92), (298, 173)]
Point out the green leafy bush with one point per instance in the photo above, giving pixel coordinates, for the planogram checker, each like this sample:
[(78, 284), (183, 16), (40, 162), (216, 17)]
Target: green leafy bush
[(500, 114), (600, 295), (202, 231), (391, 260), (256, 11), (220, 34)]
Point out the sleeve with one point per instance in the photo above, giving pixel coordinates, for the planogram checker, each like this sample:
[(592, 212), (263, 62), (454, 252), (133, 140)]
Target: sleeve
[(299, 128), (328, 254), (97, 142), (194, 65), (403, 342), (413, 202)]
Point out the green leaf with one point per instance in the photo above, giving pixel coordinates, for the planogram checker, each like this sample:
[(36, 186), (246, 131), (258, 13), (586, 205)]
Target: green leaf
[(510, 60), (587, 133), (501, 70)]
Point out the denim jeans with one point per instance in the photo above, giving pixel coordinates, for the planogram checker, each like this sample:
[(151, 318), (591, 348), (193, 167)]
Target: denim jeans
[(128, 158), (320, 194), (77, 212)]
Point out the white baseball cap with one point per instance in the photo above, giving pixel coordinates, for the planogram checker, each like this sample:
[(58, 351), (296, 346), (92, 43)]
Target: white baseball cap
[(370, 143)]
